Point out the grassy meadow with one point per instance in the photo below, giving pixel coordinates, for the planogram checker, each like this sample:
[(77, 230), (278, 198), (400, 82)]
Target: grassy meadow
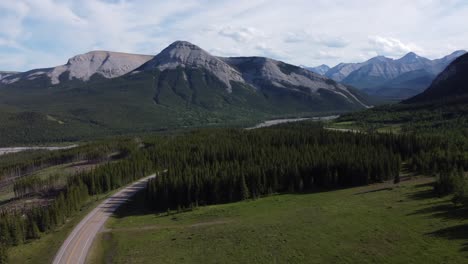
[(381, 223)]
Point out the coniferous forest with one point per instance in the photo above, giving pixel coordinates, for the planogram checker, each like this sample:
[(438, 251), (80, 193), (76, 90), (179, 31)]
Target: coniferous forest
[(212, 166)]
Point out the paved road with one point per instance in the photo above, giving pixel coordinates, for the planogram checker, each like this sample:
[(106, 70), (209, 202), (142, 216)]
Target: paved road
[(76, 247)]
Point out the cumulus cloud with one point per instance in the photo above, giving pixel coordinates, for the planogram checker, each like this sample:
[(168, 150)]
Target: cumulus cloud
[(309, 32), (333, 42), (241, 34), (324, 55), (391, 46), (296, 37), (269, 51), (320, 39)]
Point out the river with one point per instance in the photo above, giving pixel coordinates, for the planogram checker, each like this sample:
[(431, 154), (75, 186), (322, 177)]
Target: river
[(4, 151), (290, 120)]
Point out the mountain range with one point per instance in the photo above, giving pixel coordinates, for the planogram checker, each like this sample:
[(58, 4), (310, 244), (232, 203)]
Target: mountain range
[(394, 79), (82, 67), (109, 92), (451, 85), (322, 69)]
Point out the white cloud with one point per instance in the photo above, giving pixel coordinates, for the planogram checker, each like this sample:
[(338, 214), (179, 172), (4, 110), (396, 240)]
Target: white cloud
[(242, 34), (324, 55), (319, 39), (296, 37), (308, 32), (333, 42), (388, 46)]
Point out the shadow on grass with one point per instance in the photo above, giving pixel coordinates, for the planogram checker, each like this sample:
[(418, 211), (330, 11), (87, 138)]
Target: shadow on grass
[(425, 193), (133, 207), (459, 232), (376, 190), (445, 210), (136, 206)]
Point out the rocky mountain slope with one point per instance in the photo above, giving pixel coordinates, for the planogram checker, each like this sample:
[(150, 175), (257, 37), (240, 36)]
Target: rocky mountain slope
[(395, 79), (102, 93), (451, 84), (321, 69), (185, 54), (81, 67), (5, 74), (262, 74)]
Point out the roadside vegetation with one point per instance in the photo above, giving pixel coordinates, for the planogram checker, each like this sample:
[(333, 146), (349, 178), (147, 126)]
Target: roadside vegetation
[(378, 223), (446, 119), (218, 166), (39, 191)]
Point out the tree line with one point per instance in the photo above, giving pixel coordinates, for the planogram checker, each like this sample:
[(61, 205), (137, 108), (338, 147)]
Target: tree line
[(22, 163), (220, 166), (212, 166), (20, 225)]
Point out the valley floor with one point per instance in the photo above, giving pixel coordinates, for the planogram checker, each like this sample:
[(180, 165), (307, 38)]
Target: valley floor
[(382, 223)]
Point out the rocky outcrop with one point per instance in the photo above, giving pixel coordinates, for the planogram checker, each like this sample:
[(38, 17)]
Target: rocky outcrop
[(322, 69), (104, 63), (258, 72), (185, 54), (395, 79), (5, 74), (387, 69)]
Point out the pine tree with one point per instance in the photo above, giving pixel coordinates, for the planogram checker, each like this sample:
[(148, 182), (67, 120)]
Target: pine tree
[(32, 230), (244, 190), (3, 253)]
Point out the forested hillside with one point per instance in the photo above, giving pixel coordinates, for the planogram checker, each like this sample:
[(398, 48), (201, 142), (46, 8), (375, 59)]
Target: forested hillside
[(211, 166), (451, 84), (182, 87), (225, 165)]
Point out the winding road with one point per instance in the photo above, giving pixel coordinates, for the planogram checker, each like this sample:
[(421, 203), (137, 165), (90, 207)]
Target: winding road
[(76, 247)]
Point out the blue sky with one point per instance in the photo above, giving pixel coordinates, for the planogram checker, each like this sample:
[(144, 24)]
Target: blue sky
[(44, 33)]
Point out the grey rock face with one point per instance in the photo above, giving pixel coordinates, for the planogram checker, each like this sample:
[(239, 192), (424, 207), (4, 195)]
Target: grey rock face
[(322, 69), (256, 72), (388, 69), (82, 67), (395, 79), (185, 54), (5, 74), (259, 70), (252, 71), (342, 70)]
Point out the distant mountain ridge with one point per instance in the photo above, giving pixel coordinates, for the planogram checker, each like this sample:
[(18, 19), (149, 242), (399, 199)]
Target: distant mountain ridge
[(321, 69), (102, 93), (185, 54), (262, 74), (4, 74), (450, 84), (257, 72), (105, 63), (392, 78)]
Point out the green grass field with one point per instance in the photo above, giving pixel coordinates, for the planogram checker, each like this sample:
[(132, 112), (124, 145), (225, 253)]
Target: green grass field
[(381, 223)]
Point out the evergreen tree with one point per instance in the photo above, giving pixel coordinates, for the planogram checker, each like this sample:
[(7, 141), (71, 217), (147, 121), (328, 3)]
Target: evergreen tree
[(3, 253), (244, 190)]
